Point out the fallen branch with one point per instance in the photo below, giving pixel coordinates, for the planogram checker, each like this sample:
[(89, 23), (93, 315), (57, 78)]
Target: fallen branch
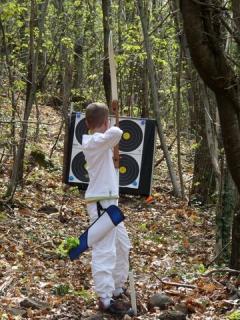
[(175, 293), (222, 270), (217, 256), (177, 284), (6, 284), (231, 303)]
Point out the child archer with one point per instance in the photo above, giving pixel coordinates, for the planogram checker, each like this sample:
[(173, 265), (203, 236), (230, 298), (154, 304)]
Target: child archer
[(110, 256)]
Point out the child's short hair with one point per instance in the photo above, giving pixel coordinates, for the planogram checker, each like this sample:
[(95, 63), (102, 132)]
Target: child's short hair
[(96, 113)]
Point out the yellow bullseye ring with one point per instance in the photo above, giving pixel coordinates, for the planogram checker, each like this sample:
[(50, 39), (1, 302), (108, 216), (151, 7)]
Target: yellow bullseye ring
[(126, 135), (122, 170)]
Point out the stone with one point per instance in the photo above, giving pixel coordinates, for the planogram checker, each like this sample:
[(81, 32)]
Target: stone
[(33, 304), (160, 300), (172, 315), (48, 209), (17, 311), (182, 307)]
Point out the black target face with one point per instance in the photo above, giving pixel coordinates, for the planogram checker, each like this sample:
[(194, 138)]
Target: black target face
[(79, 167), (132, 135), (128, 170), (81, 129)]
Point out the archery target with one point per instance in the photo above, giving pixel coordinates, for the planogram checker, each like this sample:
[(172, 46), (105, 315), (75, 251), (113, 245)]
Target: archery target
[(136, 149), (132, 136), (78, 169), (80, 128), (129, 170)]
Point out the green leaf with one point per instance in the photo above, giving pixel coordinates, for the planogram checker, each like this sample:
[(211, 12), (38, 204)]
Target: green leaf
[(3, 216), (195, 146), (235, 315), (61, 289), (201, 268), (84, 294), (143, 227), (66, 245)]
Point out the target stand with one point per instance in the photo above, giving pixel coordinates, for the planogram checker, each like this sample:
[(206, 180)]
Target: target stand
[(136, 148)]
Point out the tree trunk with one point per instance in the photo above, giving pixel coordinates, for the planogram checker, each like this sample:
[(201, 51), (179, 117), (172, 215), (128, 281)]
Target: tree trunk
[(227, 202), (154, 92), (236, 14), (17, 171), (212, 132), (178, 117), (203, 178), (42, 8), (145, 90), (11, 87), (106, 6), (202, 28), (235, 254), (78, 62)]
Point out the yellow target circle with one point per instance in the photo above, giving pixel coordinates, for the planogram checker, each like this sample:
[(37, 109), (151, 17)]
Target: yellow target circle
[(122, 170), (126, 135)]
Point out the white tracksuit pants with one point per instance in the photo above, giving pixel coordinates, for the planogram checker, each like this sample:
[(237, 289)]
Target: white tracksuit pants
[(110, 256)]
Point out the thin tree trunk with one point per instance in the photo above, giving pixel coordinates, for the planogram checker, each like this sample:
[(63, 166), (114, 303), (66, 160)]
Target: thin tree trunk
[(145, 91), (235, 253), (67, 86), (211, 131), (203, 179), (178, 118), (42, 8), (78, 62), (36, 135), (106, 7), (79, 49), (11, 86), (17, 171), (154, 92), (230, 127), (236, 14), (227, 203)]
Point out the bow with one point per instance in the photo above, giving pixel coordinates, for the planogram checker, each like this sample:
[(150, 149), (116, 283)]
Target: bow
[(114, 103)]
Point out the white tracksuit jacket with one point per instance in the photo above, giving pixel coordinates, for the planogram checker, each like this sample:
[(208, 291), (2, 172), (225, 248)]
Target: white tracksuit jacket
[(110, 256)]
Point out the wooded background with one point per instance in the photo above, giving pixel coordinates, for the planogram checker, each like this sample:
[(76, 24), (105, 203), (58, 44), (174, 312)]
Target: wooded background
[(177, 62)]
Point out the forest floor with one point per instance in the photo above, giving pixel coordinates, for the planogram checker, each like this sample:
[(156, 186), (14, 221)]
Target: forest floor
[(172, 244)]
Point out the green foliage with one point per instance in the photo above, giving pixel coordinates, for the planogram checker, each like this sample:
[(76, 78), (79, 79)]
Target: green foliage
[(66, 245), (84, 294), (154, 237), (11, 9), (61, 289), (67, 42), (79, 21), (37, 156), (71, 24), (3, 216), (149, 235), (19, 85), (201, 268), (64, 289), (143, 227), (195, 146), (235, 315)]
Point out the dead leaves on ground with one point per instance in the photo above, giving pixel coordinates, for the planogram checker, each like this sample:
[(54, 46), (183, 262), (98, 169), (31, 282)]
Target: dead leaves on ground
[(169, 238)]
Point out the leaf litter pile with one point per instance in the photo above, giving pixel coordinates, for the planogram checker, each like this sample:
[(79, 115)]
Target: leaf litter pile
[(172, 243)]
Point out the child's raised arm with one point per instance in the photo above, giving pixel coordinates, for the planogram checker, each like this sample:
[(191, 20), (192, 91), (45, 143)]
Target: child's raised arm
[(106, 140)]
